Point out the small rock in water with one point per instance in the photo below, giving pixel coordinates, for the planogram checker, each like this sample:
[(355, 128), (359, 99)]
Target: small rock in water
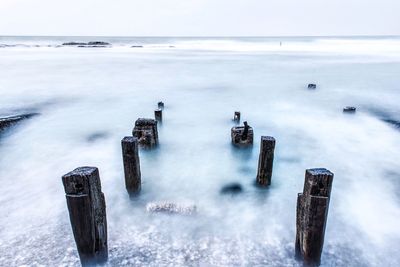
[(234, 188), (349, 110), (312, 86), (137, 46), (171, 208)]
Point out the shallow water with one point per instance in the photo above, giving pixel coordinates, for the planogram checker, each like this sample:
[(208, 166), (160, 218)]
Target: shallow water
[(89, 99)]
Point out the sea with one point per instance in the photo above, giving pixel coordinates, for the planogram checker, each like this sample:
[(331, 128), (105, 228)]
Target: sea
[(89, 98)]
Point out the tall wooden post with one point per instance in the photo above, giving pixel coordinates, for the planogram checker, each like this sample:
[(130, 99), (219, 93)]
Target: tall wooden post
[(265, 160), (87, 213), (158, 115), (312, 213), (130, 155), (160, 105)]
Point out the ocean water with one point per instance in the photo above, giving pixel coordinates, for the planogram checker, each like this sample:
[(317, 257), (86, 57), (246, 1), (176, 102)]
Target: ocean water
[(83, 93)]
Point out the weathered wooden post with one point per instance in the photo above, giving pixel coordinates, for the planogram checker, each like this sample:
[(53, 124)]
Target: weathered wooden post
[(236, 117), (160, 105), (158, 115), (146, 132), (130, 156), (242, 136), (265, 160), (312, 213), (87, 213)]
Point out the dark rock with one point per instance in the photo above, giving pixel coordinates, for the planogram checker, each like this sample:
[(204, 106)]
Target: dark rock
[(392, 122), (74, 43), (386, 117), (98, 43), (11, 121), (90, 46), (349, 110), (312, 86), (234, 188)]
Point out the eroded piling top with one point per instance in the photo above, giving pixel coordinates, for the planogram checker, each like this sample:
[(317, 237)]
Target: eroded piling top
[(77, 181), (145, 122), (269, 140), (129, 139), (318, 182)]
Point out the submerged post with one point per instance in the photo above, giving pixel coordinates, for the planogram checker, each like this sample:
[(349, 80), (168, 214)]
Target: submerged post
[(265, 160), (158, 115), (312, 213), (87, 213), (130, 155), (236, 117)]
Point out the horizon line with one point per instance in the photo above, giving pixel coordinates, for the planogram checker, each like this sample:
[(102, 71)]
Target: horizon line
[(210, 36)]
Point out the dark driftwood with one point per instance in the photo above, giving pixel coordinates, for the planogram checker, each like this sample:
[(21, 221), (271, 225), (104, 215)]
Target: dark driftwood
[(146, 132), (265, 160), (312, 212), (160, 105), (242, 136), (11, 121), (236, 116), (87, 212), (130, 155), (158, 115)]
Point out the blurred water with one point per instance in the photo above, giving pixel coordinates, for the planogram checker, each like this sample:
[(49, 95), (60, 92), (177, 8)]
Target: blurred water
[(86, 92)]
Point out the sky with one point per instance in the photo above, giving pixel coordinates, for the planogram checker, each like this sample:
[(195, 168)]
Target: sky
[(199, 17)]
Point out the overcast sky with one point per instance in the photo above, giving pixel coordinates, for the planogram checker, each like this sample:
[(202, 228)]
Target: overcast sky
[(199, 17)]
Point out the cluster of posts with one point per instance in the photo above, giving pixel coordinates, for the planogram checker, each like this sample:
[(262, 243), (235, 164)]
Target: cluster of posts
[(87, 207)]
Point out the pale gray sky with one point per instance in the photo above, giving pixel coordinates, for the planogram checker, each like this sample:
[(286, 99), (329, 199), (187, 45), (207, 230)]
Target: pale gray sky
[(199, 17)]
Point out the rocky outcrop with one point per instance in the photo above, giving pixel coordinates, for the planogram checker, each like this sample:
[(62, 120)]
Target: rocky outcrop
[(8, 122), (89, 44)]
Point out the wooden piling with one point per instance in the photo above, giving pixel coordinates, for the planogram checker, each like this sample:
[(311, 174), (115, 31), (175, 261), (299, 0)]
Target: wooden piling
[(265, 160), (146, 131), (242, 136), (87, 213), (236, 117), (130, 156), (158, 115), (312, 213), (160, 105)]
